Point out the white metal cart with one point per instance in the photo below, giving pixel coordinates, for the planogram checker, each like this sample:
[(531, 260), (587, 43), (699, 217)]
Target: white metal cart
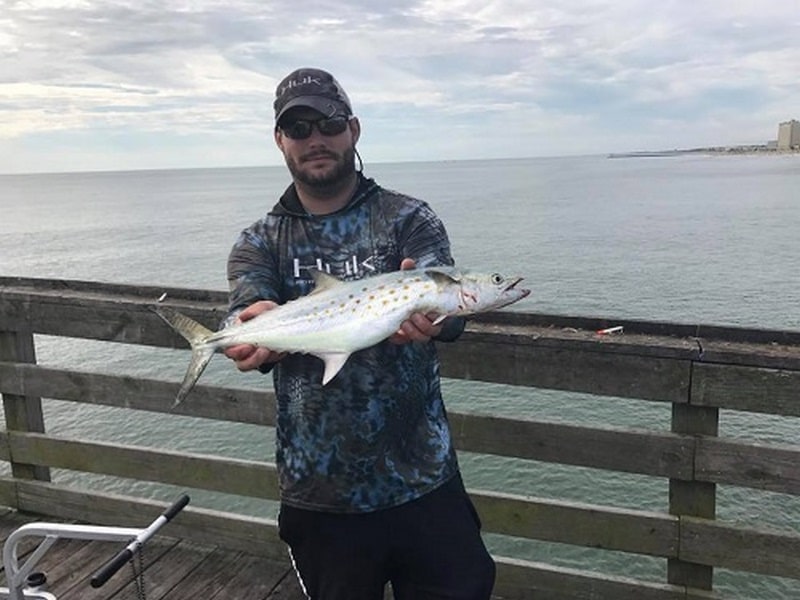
[(24, 582)]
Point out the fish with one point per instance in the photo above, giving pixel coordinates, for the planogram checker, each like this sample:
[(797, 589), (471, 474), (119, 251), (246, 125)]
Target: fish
[(339, 317)]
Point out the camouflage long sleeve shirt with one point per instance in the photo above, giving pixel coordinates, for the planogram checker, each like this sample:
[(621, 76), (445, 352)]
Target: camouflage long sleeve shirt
[(376, 435)]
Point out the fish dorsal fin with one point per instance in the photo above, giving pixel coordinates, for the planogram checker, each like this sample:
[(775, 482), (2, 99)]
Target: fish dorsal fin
[(333, 364), (444, 274), (323, 281)]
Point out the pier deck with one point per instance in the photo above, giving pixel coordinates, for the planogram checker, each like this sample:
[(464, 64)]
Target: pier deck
[(173, 568)]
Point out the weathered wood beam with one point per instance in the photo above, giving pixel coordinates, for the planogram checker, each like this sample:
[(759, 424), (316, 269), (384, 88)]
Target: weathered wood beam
[(23, 411)]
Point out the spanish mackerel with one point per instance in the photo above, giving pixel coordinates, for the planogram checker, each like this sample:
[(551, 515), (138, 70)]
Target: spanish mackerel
[(338, 318)]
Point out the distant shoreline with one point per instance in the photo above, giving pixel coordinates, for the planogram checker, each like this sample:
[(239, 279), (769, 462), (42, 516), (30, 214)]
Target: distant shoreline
[(715, 150)]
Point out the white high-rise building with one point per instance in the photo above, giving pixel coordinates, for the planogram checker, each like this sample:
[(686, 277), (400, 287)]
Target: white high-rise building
[(789, 135)]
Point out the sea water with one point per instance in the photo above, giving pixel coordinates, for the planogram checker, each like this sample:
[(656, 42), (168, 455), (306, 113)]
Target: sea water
[(689, 239)]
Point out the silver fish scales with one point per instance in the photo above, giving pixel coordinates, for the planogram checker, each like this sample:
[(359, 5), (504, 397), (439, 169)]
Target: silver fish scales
[(338, 318)]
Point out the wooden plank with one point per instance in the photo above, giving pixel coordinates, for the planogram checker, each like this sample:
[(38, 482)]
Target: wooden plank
[(289, 589), (30, 287), (60, 551), (67, 563), (22, 412), (708, 344), (525, 580), (591, 371), (257, 579), (729, 546), (570, 324), (220, 576), (648, 453), (9, 521), (122, 583), (124, 319), (216, 569), (636, 361), (768, 355), (64, 288), (769, 391), (163, 578), (173, 569), (513, 583), (696, 498), (233, 476), (254, 535), (122, 313), (233, 531), (588, 525), (223, 404), (775, 468), (8, 493), (584, 338), (595, 526), (642, 328)]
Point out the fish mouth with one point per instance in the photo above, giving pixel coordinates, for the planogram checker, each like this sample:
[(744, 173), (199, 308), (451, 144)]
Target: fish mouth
[(514, 282)]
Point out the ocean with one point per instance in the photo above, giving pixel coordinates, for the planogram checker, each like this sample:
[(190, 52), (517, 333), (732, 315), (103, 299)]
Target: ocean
[(688, 239)]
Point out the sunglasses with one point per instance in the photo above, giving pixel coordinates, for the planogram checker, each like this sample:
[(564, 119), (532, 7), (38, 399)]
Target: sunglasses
[(301, 128)]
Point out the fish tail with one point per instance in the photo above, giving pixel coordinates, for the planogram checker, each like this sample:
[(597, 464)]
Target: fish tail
[(197, 336)]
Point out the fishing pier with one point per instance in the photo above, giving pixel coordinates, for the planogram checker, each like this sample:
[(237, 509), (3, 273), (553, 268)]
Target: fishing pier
[(697, 371)]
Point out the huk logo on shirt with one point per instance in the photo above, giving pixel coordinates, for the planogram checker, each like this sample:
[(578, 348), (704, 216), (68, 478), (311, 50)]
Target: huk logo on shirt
[(352, 268)]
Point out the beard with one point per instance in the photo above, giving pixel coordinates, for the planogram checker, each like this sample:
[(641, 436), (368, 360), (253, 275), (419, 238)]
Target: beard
[(329, 180)]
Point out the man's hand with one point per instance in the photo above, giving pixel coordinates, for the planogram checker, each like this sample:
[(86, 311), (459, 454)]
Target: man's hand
[(246, 356), (418, 327)]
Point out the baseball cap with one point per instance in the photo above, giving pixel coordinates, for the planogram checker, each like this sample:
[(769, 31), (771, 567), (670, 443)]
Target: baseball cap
[(313, 88)]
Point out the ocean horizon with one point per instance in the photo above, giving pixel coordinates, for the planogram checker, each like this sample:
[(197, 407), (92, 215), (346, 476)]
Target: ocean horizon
[(697, 239)]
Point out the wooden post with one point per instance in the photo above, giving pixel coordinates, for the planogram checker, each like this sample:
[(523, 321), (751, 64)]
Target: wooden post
[(692, 498), (22, 413)]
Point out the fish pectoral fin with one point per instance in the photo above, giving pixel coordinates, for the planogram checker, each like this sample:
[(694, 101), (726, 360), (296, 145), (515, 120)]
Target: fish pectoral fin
[(333, 364), (323, 281)]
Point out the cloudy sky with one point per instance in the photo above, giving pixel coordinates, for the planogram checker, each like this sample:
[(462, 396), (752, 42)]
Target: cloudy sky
[(129, 84)]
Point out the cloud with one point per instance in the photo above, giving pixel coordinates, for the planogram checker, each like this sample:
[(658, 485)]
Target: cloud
[(430, 79)]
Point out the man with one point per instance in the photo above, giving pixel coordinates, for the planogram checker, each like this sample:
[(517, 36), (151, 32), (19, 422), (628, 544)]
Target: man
[(370, 487)]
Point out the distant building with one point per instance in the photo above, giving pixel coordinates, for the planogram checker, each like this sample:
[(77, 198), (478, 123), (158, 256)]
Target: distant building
[(789, 135)]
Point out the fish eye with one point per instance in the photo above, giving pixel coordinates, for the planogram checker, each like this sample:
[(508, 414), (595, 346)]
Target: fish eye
[(497, 279)]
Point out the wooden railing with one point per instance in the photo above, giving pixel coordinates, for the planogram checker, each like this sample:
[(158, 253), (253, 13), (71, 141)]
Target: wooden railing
[(697, 369)]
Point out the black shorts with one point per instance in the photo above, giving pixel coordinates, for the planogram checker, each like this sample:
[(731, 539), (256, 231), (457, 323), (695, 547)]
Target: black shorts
[(428, 549)]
